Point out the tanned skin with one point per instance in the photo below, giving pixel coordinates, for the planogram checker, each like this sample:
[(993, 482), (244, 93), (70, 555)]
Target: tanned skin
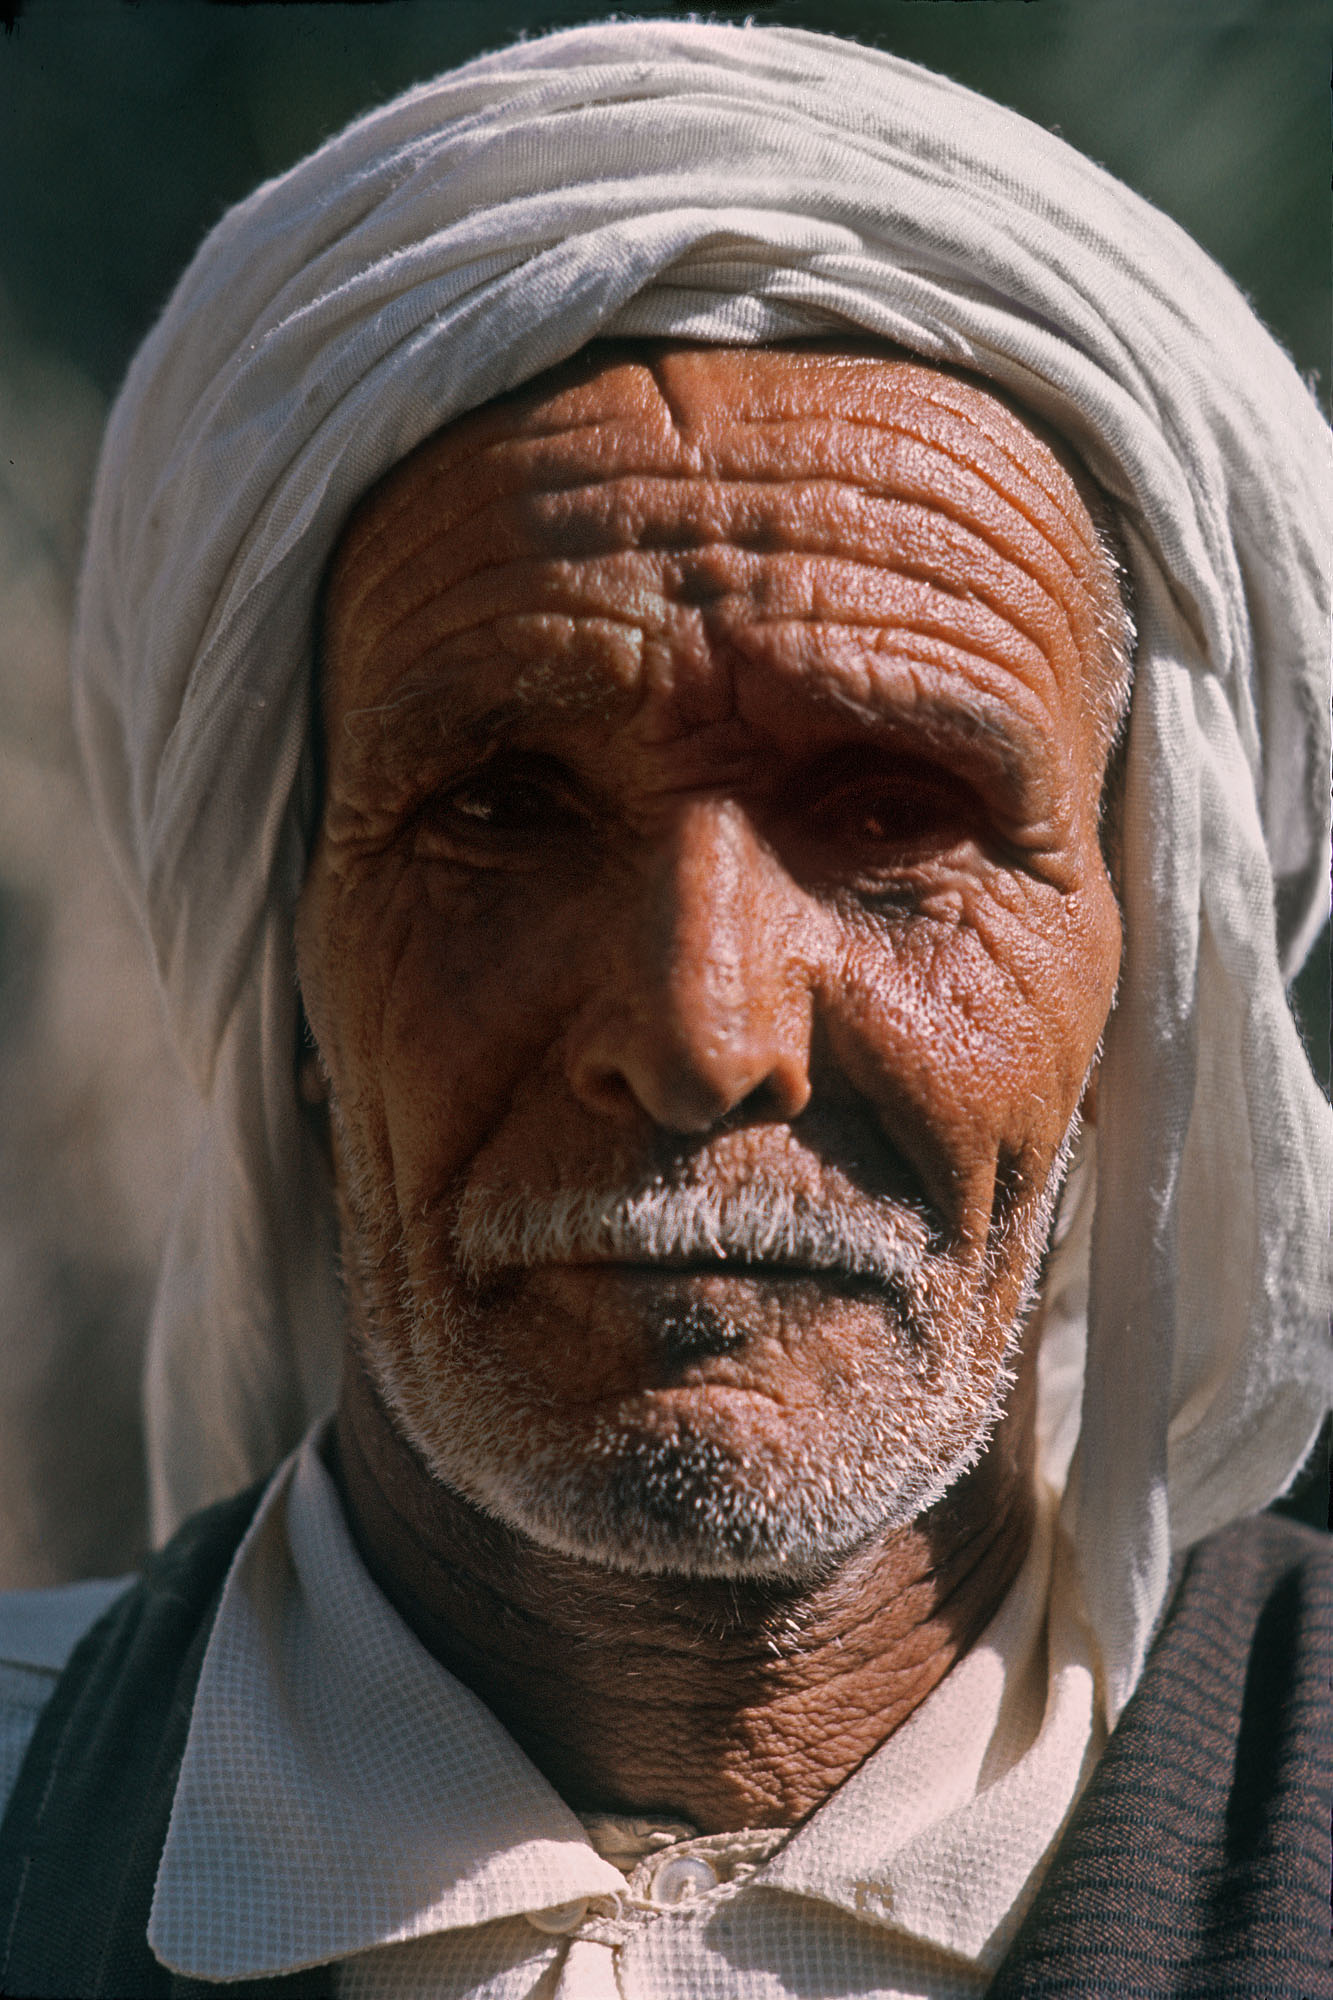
[(714, 741)]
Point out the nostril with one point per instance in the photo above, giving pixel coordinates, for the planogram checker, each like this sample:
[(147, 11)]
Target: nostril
[(686, 1096), (783, 1093), (605, 1088)]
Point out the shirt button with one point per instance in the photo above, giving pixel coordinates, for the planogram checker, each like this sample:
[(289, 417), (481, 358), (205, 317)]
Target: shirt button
[(560, 1917), (681, 1878)]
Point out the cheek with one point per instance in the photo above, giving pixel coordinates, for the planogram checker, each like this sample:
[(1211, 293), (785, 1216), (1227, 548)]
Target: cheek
[(971, 1030), (1034, 978), (472, 995)]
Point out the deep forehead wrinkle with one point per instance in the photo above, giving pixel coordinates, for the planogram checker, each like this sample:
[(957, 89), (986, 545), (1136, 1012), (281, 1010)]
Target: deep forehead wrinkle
[(909, 685), (885, 674), (973, 572), (999, 521), (940, 607), (761, 395), (792, 401), (765, 395), (748, 449), (625, 500), (999, 439), (678, 414), (934, 616), (832, 509), (536, 698), (492, 431), (448, 489), (926, 647), (475, 503)]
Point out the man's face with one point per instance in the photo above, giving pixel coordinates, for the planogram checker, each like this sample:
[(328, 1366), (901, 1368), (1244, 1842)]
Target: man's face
[(708, 939)]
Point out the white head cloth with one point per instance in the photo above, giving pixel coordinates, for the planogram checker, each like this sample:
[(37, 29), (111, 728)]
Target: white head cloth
[(739, 185)]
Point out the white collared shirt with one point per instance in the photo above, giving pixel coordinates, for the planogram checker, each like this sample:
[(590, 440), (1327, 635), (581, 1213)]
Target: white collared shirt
[(343, 1797)]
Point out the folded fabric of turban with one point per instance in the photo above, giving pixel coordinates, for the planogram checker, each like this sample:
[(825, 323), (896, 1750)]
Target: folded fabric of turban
[(741, 185)]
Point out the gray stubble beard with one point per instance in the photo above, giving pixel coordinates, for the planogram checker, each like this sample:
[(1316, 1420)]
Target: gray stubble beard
[(911, 1417)]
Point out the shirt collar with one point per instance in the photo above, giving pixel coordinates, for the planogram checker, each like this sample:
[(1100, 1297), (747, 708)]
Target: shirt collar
[(941, 1832), (341, 1790)]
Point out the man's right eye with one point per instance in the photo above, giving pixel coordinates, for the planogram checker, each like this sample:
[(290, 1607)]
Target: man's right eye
[(498, 807)]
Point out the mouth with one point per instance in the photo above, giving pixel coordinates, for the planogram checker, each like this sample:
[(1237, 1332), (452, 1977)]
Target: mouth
[(834, 1279), (824, 1235)]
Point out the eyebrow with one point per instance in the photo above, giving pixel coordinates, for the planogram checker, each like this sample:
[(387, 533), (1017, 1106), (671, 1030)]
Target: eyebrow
[(986, 730), (991, 717), (432, 701), (998, 737), (385, 741)]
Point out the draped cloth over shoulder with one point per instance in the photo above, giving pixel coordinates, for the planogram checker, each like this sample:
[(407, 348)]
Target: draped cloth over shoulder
[(740, 185)]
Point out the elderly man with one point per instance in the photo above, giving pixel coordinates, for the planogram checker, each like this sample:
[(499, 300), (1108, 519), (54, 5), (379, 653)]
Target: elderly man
[(617, 581)]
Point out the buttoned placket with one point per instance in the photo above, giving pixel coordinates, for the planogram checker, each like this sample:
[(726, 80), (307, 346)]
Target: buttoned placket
[(681, 1882)]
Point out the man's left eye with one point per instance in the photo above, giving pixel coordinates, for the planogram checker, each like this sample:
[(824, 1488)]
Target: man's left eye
[(894, 816)]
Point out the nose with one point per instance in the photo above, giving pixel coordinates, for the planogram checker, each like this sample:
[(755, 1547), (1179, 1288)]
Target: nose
[(705, 1001)]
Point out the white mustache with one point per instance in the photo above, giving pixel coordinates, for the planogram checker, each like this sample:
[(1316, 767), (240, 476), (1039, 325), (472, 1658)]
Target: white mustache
[(756, 1224)]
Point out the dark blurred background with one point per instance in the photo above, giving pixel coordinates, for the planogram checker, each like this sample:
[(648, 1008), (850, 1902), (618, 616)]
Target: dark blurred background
[(125, 131)]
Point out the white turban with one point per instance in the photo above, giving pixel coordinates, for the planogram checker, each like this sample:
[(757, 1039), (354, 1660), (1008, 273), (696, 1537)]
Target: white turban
[(739, 185)]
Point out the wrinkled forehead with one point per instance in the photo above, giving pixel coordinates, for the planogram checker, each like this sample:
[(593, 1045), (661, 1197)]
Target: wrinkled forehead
[(759, 422), (654, 404)]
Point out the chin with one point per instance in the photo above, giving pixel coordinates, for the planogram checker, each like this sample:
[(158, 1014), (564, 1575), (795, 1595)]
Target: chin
[(696, 1483), (689, 1506), (739, 1477)]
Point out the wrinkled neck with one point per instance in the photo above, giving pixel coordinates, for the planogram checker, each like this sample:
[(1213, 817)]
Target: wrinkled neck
[(727, 1703)]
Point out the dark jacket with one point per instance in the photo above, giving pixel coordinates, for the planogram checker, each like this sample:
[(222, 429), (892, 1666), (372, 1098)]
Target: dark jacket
[(1196, 1865)]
